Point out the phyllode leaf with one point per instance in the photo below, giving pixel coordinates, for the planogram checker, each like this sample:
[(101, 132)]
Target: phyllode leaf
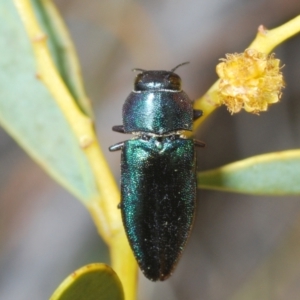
[(38, 108), (91, 282), (275, 173), (62, 51), (29, 113)]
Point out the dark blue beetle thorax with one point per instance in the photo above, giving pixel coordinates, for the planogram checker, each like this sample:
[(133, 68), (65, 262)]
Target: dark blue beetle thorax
[(158, 112), (157, 104)]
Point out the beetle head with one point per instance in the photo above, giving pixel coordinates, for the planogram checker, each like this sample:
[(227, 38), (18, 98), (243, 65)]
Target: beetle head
[(157, 80)]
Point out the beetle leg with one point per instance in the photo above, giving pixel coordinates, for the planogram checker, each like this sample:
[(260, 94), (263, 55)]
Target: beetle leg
[(197, 113), (198, 143), (116, 147), (119, 206), (118, 128)]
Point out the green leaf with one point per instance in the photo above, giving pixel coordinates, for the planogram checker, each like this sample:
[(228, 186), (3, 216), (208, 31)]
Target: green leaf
[(62, 51), (39, 111), (268, 174), (31, 115), (91, 282)]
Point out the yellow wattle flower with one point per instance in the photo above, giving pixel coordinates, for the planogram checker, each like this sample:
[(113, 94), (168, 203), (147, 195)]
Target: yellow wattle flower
[(251, 80)]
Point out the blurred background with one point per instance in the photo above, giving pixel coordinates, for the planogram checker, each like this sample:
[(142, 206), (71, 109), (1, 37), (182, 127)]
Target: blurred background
[(242, 247)]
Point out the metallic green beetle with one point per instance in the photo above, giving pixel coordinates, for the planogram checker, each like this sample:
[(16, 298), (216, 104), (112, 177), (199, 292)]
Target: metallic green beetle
[(158, 171)]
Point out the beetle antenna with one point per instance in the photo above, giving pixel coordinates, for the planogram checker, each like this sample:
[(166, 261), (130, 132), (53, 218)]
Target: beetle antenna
[(138, 70), (185, 63)]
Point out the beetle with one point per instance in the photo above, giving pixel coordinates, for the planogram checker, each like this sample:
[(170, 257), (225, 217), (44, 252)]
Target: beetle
[(158, 170)]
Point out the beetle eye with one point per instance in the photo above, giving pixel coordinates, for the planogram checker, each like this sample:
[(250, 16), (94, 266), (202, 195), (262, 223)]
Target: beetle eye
[(139, 77), (174, 82)]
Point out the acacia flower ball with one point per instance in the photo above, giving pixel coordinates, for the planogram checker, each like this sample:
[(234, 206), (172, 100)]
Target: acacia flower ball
[(251, 80)]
